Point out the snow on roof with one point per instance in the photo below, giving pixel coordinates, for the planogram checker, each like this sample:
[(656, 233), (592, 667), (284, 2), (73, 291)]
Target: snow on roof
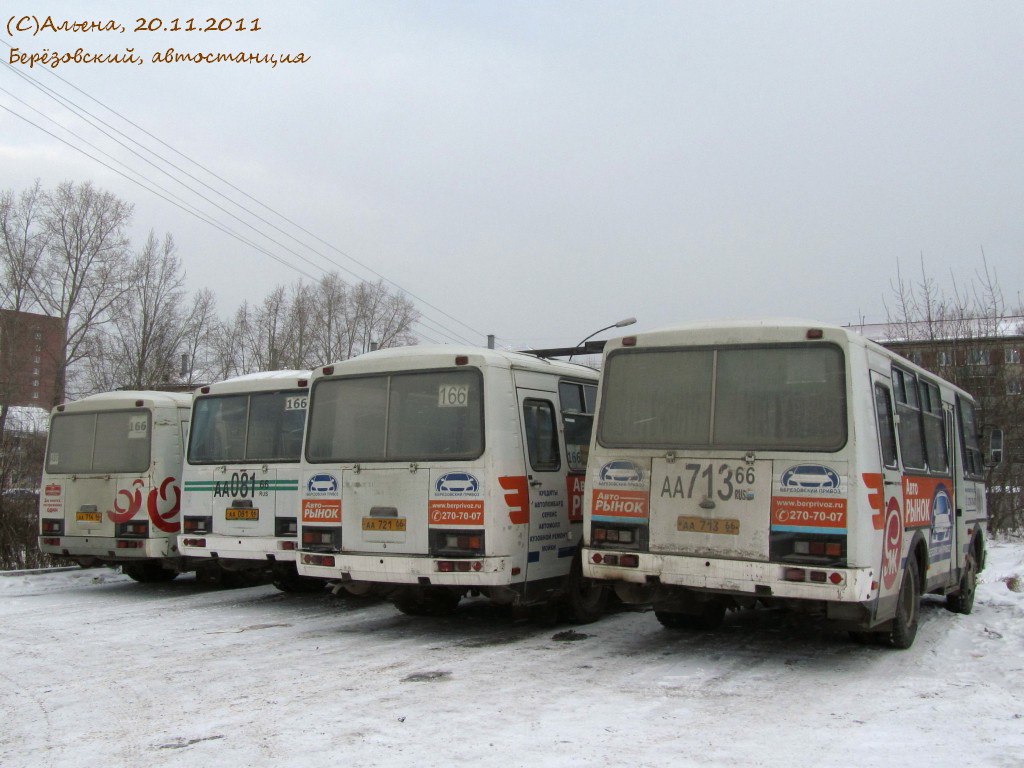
[(965, 328)]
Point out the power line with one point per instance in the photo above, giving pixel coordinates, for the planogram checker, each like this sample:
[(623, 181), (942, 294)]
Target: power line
[(74, 108)]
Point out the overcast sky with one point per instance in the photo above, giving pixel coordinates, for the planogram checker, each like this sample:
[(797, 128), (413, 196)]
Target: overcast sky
[(538, 170)]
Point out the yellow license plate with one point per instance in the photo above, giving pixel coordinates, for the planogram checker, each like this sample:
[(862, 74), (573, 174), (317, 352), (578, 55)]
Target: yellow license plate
[(242, 514), (383, 523), (690, 524), (89, 517)]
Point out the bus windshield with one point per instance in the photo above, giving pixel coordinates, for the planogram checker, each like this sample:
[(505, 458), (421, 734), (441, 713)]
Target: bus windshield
[(243, 428), (104, 441), (416, 416), (728, 397)]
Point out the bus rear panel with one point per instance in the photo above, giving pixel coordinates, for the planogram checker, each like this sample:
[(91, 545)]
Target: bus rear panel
[(737, 464)]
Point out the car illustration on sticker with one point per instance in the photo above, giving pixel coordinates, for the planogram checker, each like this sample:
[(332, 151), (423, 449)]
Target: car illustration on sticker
[(621, 472), (322, 484), (810, 476), (457, 482)]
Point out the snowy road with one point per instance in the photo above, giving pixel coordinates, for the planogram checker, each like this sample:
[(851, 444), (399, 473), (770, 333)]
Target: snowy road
[(98, 670)]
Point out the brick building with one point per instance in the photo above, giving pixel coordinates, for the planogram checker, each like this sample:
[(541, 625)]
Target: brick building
[(30, 350)]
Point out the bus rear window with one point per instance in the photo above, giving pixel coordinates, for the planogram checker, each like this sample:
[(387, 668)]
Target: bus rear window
[(426, 416), (105, 441), (745, 398), (264, 426)]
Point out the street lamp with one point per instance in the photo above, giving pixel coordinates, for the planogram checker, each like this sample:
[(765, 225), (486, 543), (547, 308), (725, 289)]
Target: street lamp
[(621, 324)]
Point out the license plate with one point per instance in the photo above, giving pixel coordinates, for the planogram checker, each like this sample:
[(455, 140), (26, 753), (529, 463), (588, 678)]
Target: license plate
[(89, 517), (242, 514), (690, 524), (383, 523)]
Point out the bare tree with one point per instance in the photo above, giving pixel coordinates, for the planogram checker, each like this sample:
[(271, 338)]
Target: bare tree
[(149, 326), (22, 244), (83, 276), (970, 334)]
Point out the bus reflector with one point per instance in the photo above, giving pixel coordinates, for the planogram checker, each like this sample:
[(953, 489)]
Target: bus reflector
[(596, 557), (836, 578), (325, 560), (516, 570)]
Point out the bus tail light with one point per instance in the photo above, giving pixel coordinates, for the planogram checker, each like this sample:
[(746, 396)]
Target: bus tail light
[(456, 543), (130, 544), (286, 526), (624, 561), (193, 524), (286, 545), (458, 566), (326, 561), (617, 536), (52, 526), (321, 539), (51, 542), (794, 574), (194, 542), (133, 528)]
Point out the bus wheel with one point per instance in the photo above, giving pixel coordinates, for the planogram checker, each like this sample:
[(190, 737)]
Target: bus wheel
[(904, 627), (287, 579), (435, 601), (148, 572), (584, 600), (710, 616), (962, 601)]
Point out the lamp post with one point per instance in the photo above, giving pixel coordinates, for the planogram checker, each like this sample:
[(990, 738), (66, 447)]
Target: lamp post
[(621, 324)]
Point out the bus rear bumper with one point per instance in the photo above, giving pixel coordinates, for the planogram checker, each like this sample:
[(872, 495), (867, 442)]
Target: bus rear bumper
[(737, 577), (263, 548), (400, 569), (108, 548)]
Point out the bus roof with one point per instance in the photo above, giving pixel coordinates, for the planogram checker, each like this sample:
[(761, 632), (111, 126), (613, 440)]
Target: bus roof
[(108, 401), (423, 356), (257, 382)]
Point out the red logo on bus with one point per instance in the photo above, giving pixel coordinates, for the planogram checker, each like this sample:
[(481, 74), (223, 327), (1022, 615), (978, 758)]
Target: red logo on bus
[(892, 551)]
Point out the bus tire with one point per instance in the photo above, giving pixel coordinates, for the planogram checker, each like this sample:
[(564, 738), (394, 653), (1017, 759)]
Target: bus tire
[(908, 609), (148, 572), (962, 601), (287, 579), (584, 600), (436, 601), (710, 616)]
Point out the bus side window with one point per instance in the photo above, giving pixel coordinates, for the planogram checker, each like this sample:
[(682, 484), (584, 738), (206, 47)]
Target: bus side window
[(577, 402), (934, 428), (908, 413), (886, 428), (969, 445), (541, 435)]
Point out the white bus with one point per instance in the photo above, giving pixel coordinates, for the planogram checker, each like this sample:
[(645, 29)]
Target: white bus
[(241, 477), (787, 463), (111, 487), (433, 472)]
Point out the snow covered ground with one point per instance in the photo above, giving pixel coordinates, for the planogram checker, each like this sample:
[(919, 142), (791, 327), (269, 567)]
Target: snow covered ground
[(98, 670)]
